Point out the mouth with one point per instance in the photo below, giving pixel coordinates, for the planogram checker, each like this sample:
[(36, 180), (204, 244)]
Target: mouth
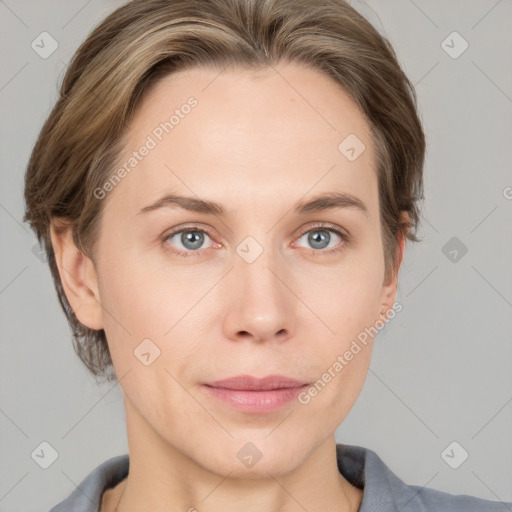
[(255, 395)]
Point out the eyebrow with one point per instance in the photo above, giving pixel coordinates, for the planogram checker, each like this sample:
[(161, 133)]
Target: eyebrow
[(319, 203)]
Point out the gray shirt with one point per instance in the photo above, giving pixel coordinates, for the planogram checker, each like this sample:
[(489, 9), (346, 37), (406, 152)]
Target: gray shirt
[(383, 491)]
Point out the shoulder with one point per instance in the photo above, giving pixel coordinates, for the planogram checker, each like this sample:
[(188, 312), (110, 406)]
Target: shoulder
[(438, 501), (88, 494), (386, 492)]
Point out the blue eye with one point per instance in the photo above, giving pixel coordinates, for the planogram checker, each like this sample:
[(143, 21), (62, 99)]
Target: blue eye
[(319, 238), (192, 240)]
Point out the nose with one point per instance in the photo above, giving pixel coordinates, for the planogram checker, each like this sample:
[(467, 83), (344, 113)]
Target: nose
[(261, 305)]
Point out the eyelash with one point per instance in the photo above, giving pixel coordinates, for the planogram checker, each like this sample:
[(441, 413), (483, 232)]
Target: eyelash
[(315, 252)]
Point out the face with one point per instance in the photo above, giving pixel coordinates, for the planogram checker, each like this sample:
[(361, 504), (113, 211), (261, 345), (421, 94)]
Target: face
[(257, 285)]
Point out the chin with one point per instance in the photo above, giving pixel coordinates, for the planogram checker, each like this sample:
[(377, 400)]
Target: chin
[(247, 459)]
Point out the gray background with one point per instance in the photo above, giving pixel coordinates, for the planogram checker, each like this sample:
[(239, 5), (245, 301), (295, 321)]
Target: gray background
[(440, 370)]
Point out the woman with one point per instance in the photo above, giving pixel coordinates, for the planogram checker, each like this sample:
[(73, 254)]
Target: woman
[(224, 190)]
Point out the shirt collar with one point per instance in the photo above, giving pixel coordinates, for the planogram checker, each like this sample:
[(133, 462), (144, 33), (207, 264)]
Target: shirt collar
[(382, 489)]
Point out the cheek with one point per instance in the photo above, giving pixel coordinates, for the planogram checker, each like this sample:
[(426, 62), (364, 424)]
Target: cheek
[(134, 308), (150, 307), (141, 310), (346, 297), (341, 357)]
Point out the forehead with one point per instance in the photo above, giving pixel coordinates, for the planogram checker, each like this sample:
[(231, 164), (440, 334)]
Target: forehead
[(241, 136)]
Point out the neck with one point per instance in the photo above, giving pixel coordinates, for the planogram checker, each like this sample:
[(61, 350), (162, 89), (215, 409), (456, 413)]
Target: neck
[(161, 477)]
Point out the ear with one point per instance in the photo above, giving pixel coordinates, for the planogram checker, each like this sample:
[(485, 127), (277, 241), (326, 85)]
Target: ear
[(78, 276), (389, 288)]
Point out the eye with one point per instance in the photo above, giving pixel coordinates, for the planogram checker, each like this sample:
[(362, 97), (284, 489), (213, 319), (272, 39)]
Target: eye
[(319, 237), (191, 240)]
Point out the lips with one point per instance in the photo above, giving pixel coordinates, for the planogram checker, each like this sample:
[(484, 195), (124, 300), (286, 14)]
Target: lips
[(255, 395), (249, 383)]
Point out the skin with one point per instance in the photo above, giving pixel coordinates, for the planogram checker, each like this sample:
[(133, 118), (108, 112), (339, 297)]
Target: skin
[(257, 146)]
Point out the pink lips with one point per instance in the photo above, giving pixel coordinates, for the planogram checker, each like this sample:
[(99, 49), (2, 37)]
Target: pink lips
[(251, 394)]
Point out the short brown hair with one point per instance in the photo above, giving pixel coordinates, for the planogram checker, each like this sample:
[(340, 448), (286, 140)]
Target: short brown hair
[(144, 40)]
